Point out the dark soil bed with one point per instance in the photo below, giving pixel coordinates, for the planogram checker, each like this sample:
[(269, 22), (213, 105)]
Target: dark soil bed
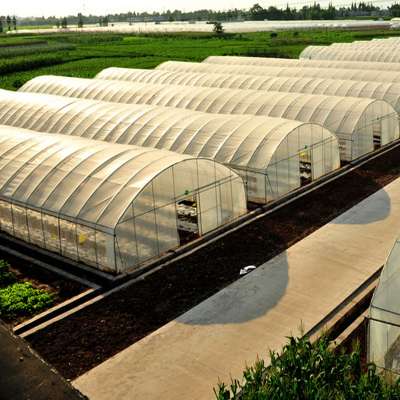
[(358, 338), (87, 338), (61, 288)]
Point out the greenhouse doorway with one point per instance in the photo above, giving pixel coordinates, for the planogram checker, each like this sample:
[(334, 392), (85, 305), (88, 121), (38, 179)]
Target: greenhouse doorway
[(377, 134), (305, 165), (188, 219)]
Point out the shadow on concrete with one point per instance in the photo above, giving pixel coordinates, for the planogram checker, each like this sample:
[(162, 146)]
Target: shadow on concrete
[(24, 375), (361, 216), (248, 298), (257, 293)]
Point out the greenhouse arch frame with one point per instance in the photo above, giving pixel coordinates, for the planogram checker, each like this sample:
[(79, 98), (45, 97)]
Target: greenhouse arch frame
[(269, 153), (112, 207)]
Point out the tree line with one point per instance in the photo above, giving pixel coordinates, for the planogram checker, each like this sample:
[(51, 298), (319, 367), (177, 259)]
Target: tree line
[(8, 23), (255, 13)]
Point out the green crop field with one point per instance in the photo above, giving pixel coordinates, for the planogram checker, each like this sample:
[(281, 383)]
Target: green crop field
[(23, 57)]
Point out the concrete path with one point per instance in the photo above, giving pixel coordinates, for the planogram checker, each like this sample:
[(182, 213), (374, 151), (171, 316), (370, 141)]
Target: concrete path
[(24, 375), (185, 358)]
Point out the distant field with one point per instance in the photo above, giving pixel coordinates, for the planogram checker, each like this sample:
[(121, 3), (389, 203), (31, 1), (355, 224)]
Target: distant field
[(35, 26), (23, 57)]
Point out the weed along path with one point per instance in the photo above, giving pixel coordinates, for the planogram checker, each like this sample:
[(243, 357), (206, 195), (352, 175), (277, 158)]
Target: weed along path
[(217, 338)]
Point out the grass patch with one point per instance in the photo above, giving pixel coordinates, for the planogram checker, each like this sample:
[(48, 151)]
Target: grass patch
[(34, 27), (26, 50), (84, 68), (19, 42), (91, 52), (18, 64)]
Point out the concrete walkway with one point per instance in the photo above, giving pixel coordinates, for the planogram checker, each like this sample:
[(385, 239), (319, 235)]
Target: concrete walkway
[(24, 375), (185, 358)]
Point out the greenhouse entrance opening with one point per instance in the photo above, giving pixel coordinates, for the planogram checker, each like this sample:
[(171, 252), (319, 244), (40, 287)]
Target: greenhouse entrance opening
[(188, 220), (377, 134), (305, 166)]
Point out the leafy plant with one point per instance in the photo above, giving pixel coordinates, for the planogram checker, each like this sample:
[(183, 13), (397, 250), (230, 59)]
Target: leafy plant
[(6, 276), (306, 370), (20, 299)]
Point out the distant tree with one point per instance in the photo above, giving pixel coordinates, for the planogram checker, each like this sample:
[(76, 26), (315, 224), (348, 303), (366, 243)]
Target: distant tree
[(129, 17), (218, 28), (80, 20), (313, 10), (64, 23), (394, 10), (105, 21), (58, 24), (8, 23), (257, 13), (14, 23), (1, 24)]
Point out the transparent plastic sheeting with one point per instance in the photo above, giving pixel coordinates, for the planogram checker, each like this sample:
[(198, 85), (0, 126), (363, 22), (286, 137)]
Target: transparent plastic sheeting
[(384, 120), (305, 63), (203, 26), (382, 55), (265, 151), (383, 44), (107, 205), (389, 92), (354, 120), (384, 314), (351, 74)]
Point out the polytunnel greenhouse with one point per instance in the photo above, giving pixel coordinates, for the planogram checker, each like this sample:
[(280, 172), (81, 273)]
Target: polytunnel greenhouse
[(110, 206), (364, 45), (389, 92), (305, 63), (352, 74), (384, 316), (367, 123), (335, 87), (374, 42), (385, 55), (273, 155)]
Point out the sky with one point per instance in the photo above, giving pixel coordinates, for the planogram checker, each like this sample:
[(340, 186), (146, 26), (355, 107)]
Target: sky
[(37, 8)]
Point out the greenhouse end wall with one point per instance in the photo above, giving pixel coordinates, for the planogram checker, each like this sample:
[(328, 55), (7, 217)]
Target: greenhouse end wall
[(219, 200), (384, 317), (283, 173)]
